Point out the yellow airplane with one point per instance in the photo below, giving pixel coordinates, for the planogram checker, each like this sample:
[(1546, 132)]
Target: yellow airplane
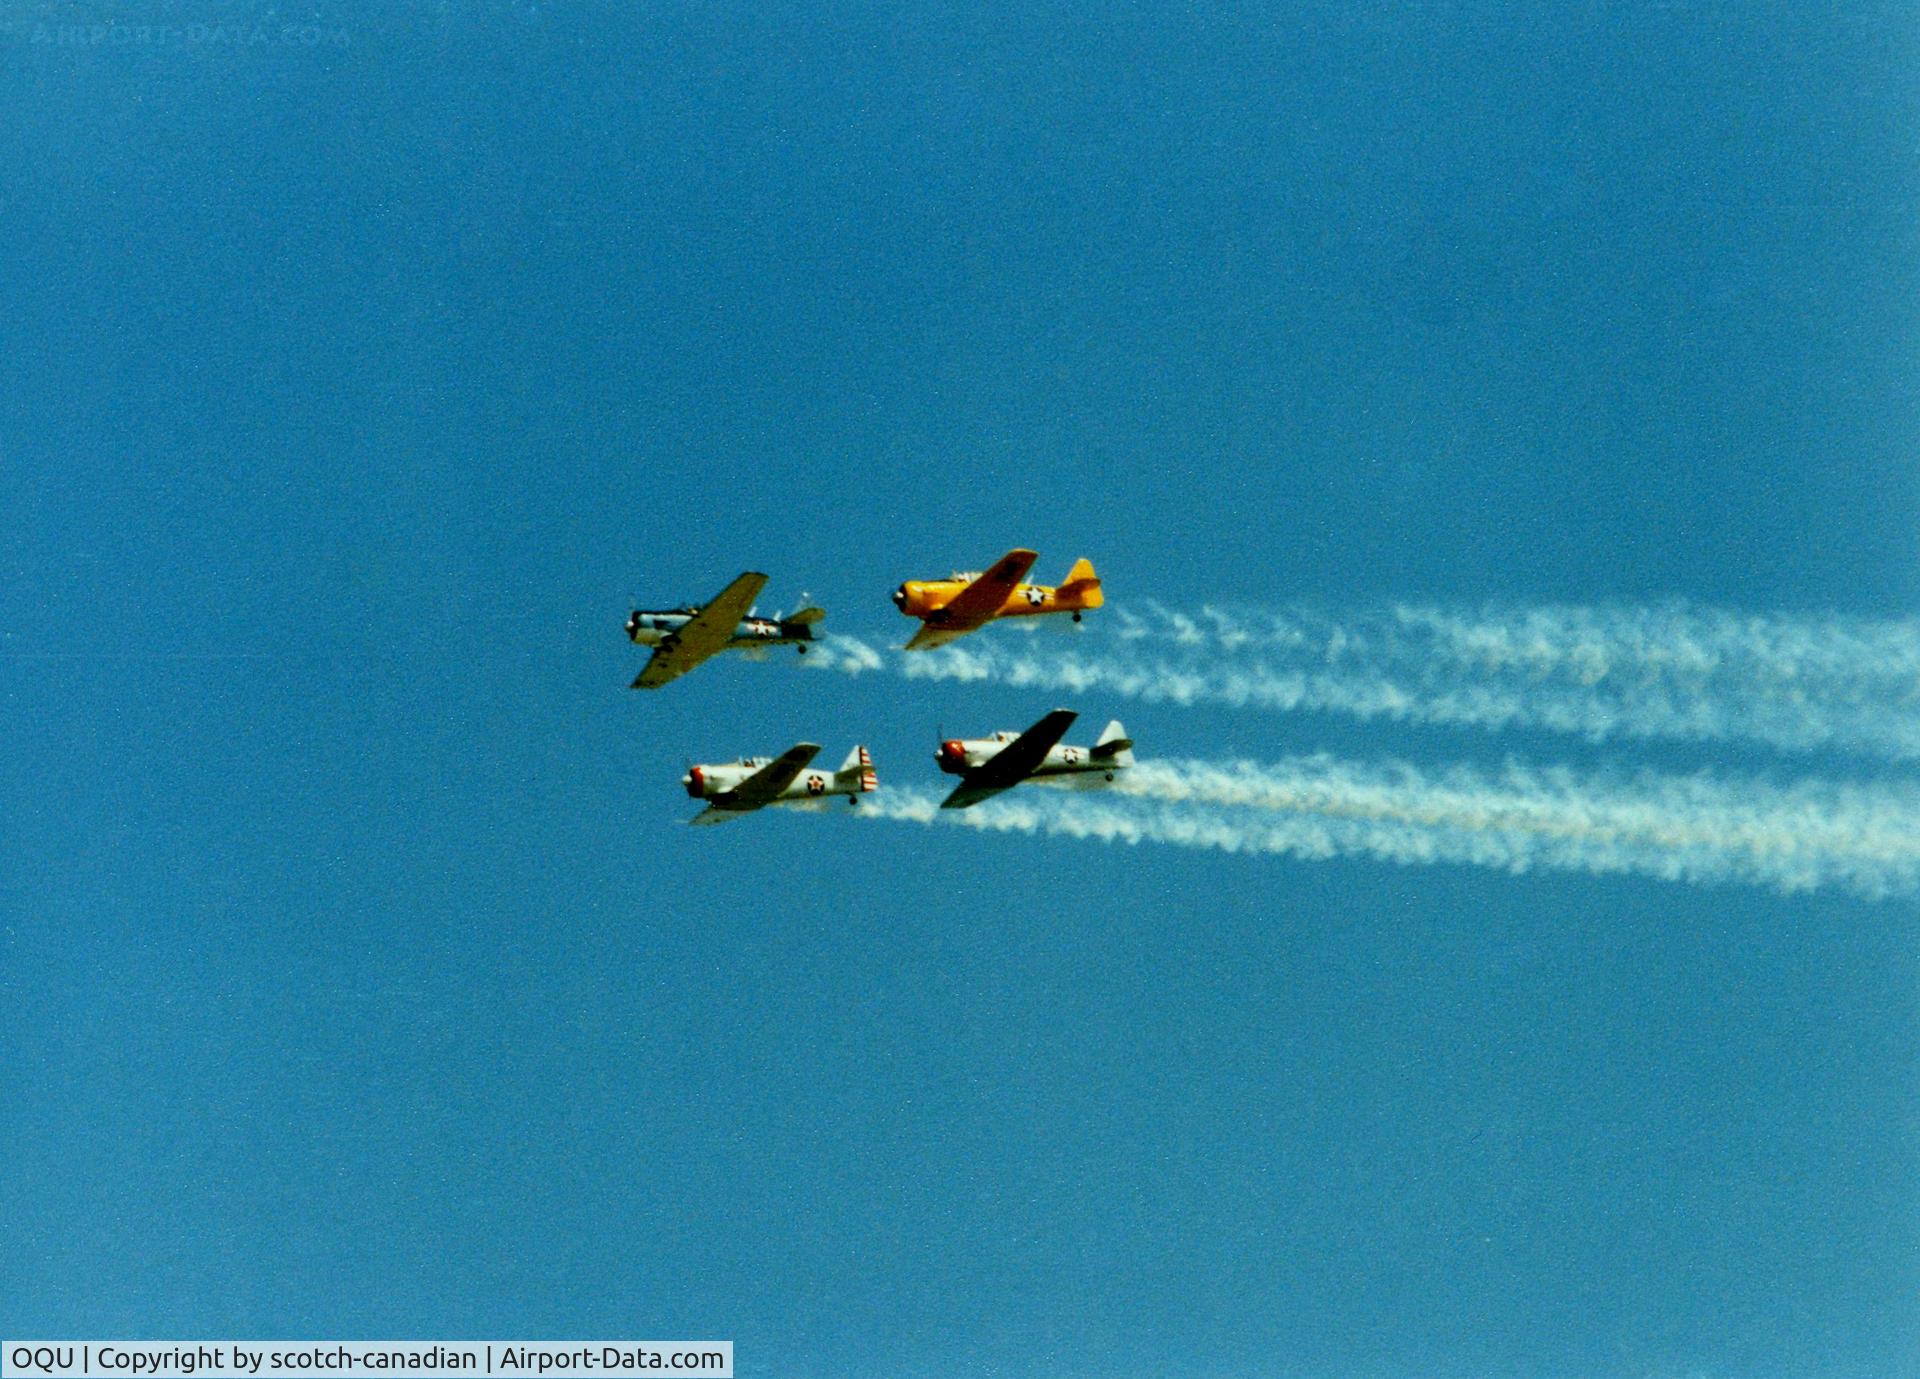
[(953, 607)]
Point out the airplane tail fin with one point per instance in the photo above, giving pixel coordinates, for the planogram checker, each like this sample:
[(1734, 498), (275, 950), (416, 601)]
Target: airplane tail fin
[(798, 625), (1082, 585), (1114, 746), (858, 768)]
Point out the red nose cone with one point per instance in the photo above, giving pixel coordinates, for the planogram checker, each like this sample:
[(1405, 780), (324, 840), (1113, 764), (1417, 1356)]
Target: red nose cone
[(696, 782), (953, 753)]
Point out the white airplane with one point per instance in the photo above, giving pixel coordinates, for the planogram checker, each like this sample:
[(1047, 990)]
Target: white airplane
[(684, 637), (740, 787), (986, 766)]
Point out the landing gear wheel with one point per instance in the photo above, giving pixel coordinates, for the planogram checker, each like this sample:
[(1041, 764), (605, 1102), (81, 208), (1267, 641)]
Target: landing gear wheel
[(802, 650), (1076, 617), (1109, 775)]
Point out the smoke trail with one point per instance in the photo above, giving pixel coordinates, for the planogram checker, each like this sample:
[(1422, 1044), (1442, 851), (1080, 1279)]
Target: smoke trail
[(1857, 838), (848, 655), (1795, 684)]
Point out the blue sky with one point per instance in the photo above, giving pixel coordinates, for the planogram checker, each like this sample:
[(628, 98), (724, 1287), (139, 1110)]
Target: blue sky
[(359, 977)]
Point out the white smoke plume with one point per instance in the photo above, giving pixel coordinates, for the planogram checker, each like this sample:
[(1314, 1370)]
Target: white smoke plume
[(848, 655), (1863, 839), (1677, 673)]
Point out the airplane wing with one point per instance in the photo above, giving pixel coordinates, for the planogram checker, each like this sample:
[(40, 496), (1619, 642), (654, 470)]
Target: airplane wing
[(980, 600), (765, 785), (706, 632), (965, 795), (1012, 763), (930, 636)]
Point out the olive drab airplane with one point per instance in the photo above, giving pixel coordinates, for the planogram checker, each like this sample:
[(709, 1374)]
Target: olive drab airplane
[(684, 637), (740, 787), (950, 608), (986, 766)]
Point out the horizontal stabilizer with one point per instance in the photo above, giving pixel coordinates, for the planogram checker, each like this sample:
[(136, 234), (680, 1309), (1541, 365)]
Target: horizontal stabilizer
[(1113, 746), (857, 769), (806, 615), (1082, 586)]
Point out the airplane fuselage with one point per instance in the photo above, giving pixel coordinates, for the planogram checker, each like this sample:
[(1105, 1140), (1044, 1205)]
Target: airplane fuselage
[(713, 782), (651, 629), (927, 598), (1063, 764)]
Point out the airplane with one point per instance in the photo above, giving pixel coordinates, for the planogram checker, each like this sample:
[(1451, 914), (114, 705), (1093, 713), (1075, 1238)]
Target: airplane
[(950, 608), (740, 787), (684, 637), (986, 766)]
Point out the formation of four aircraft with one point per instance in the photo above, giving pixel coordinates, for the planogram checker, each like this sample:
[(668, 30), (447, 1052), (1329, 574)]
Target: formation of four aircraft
[(682, 638)]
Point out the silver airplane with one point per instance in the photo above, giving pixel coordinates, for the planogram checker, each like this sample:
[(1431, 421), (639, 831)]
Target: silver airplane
[(684, 637), (986, 766), (740, 787)]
